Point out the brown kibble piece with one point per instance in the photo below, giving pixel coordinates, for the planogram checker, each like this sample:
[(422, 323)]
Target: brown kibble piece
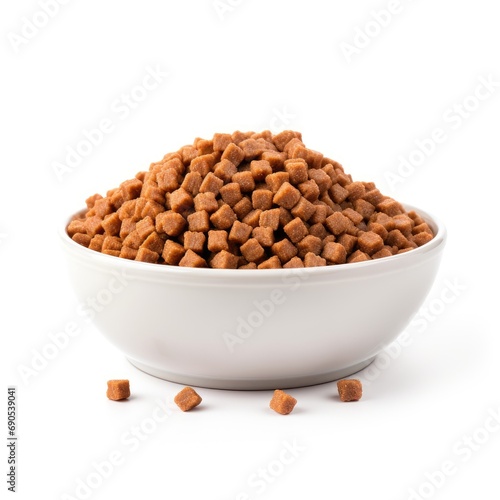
[(296, 230), (271, 263), (287, 196), (370, 242), (264, 235), (171, 223), (262, 199), (240, 232), (252, 250), (187, 399), (192, 259), (284, 250), (234, 154), (224, 260), (223, 218), (194, 241), (172, 252), (334, 253), (217, 240), (231, 193), (282, 403), (118, 389), (312, 260), (260, 169), (350, 390)]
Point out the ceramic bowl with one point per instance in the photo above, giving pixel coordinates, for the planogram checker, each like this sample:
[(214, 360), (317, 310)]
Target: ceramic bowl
[(252, 329)]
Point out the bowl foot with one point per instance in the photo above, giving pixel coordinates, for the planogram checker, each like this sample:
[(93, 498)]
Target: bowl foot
[(251, 384)]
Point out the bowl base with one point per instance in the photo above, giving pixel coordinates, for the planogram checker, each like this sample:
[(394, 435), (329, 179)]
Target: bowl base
[(251, 384)]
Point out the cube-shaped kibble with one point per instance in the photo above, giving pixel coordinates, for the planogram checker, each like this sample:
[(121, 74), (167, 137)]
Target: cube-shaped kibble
[(253, 217), (187, 399), (296, 230), (312, 260), (192, 259), (217, 240), (309, 190), (231, 193), (82, 239), (275, 159), (146, 255), (338, 193), (260, 169), (240, 232), (111, 224), (276, 180), (224, 260), (282, 403), (145, 227), (234, 154), (206, 201), (334, 253), (180, 199), (211, 184), (118, 389), (364, 208), (252, 250), (223, 218), (170, 222), (194, 240), (421, 238), (262, 199), (270, 218), (271, 263), (370, 242), (390, 207), (294, 263), (168, 179), (338, 223), (202, 164), (358, 256), (297, 170), (131, 189), (245, 180), (199, 221), (284, 249), (243, 207), (192, 183), (172, 252), (350, 390), (287, 196), (305, 210), (224, 170), (264, 235), (221, 141), (321, 178), (355, 217)]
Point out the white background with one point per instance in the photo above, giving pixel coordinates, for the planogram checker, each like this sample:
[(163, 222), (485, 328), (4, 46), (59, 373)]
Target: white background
[(253, 65)]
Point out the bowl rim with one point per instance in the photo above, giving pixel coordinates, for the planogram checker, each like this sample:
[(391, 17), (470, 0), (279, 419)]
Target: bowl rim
[(428, 249)]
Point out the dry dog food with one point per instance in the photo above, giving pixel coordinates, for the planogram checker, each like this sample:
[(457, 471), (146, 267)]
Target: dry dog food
[(282, 402), (187, 399), (350, 389), (118, 389), (247, 201)]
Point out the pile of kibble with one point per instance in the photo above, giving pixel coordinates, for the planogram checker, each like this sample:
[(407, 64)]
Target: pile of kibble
[(247, 201)]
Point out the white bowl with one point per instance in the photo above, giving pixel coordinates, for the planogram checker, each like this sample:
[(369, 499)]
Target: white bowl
[(252, 329)]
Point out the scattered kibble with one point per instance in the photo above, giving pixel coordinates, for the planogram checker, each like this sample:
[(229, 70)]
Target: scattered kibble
[(118, 389), (282, 402), (350, 390), (187, 399)]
